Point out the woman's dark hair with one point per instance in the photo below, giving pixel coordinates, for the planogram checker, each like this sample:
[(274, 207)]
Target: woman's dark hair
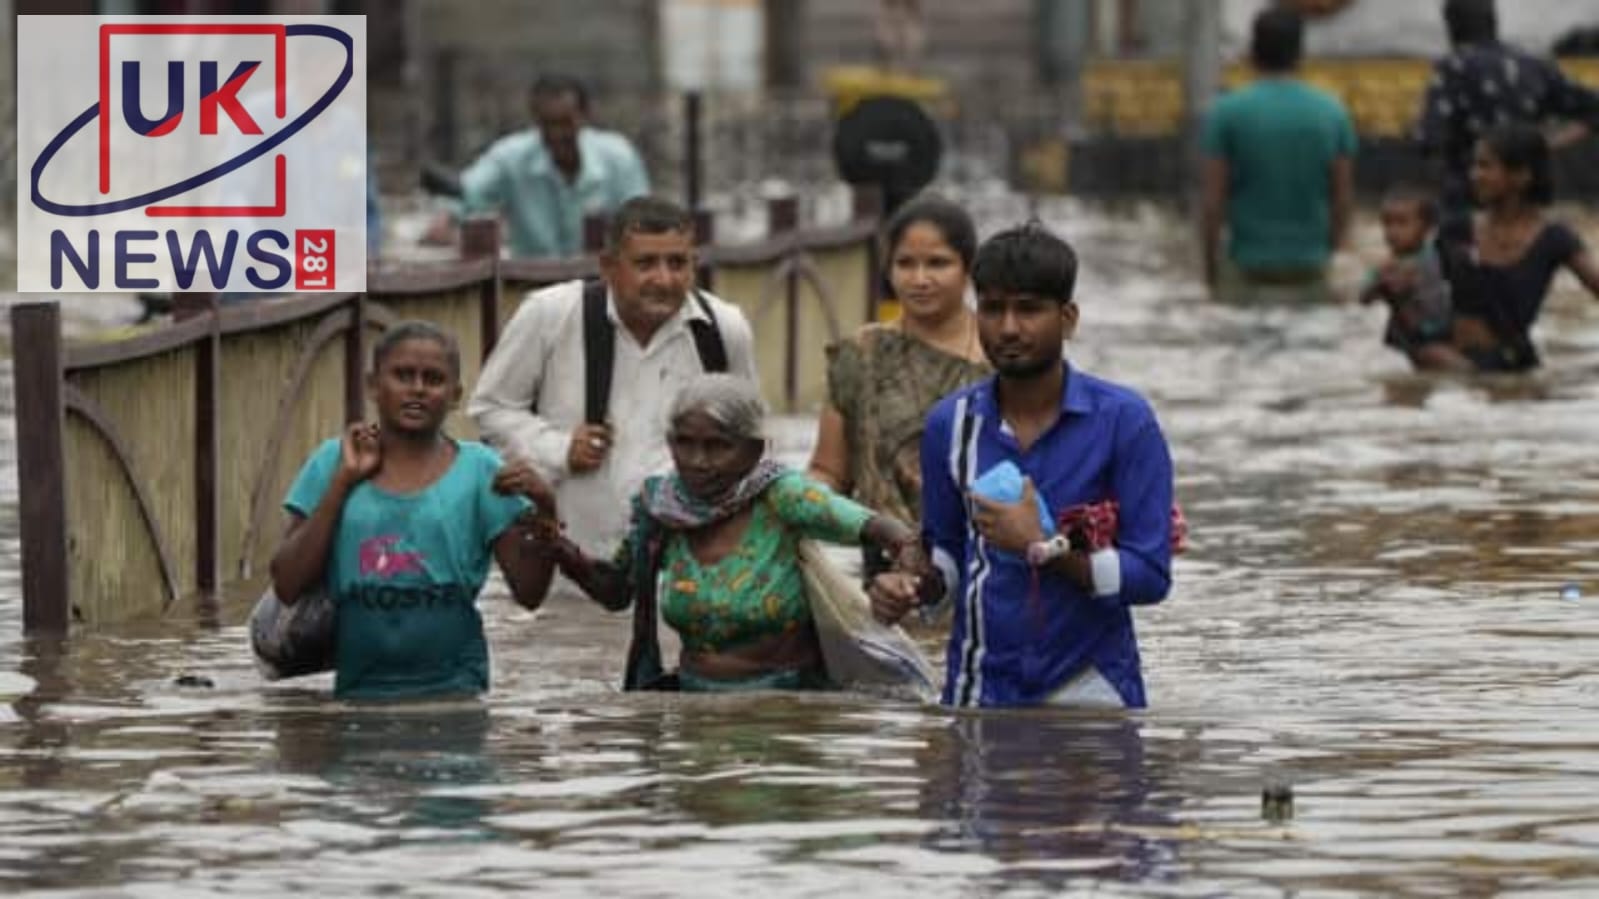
[(416, 330), (1471, 21), (1522, 147), (1278, 39), (1026, 259), (951, 220)]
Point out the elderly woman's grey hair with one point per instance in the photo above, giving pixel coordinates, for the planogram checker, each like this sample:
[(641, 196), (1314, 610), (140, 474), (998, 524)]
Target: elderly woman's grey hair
[(732, 402)]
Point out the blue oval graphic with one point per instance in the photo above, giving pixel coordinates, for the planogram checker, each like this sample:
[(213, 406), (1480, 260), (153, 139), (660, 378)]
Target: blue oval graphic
[(211, 174)]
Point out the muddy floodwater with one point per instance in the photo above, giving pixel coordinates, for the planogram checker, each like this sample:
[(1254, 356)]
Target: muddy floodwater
[(1371, 615)]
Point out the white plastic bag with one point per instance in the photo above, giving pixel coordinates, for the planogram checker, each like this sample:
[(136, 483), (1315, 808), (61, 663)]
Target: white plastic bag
[(861, 653)]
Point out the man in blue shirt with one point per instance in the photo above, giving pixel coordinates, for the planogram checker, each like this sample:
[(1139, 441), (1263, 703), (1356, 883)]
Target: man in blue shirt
[(544, 181), (1278, 172), (1038, 620)]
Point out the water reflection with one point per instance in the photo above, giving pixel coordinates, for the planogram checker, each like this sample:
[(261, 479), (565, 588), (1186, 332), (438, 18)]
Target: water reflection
[(41, 741), (1043, 791), (394, 756)]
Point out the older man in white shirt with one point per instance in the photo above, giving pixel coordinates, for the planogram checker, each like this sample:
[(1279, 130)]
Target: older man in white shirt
[(597, 434)]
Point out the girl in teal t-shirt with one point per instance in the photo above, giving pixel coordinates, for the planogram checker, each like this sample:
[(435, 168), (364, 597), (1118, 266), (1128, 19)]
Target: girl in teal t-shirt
[(399, 522)]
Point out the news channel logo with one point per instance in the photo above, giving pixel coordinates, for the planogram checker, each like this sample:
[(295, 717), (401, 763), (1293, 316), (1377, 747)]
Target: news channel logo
[(174, 153)]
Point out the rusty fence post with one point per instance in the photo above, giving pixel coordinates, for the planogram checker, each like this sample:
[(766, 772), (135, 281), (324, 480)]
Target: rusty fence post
[(187, 305), (208, 461), (480, 239), (704, 236), (867, 202), (693, 119), (594, 232), (41, 466), (782, 217), (355, 361)]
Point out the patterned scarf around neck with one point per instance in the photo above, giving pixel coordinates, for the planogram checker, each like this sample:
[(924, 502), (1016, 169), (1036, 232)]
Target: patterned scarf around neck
[(673, 506)]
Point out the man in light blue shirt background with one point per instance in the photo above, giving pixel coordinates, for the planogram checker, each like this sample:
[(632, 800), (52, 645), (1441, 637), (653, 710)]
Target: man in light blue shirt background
[(545, 180)]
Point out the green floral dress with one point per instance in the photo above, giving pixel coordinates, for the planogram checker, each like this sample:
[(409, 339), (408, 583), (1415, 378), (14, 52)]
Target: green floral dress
[(756, 591)]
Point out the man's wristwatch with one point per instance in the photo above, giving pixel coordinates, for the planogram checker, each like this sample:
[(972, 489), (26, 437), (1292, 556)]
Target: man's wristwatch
[(1046, 551)]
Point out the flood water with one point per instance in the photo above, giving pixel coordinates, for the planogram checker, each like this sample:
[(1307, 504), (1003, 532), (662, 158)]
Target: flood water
[(1371, 612)]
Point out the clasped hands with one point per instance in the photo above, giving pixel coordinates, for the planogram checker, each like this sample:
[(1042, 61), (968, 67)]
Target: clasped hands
[(914, 581)]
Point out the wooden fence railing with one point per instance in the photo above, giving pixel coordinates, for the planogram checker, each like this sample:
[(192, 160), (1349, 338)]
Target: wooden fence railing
[(151, 469)]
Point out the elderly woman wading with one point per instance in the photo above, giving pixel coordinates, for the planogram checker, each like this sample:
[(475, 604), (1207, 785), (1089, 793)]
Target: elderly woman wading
[(719, 539)]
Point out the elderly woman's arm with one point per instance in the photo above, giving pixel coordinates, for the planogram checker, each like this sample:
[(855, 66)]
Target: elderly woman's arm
[(605, 582), (814, 510), (898, 541)]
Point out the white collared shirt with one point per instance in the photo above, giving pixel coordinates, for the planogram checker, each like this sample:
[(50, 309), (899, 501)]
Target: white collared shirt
[(539, 363)]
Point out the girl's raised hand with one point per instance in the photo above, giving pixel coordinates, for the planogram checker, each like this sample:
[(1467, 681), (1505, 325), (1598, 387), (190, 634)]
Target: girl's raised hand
[(360, 453)]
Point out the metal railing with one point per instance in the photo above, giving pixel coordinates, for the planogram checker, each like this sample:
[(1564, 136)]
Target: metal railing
[(150, 468)]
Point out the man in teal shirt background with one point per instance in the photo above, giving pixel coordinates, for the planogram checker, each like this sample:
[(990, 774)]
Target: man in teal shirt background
[(1279, 169), (545, 180)]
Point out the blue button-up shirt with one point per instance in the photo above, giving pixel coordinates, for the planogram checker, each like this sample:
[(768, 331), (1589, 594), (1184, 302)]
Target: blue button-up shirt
[(544, 211), (1018, 637)]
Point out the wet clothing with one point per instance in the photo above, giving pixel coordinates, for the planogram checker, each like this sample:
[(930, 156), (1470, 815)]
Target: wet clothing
[(1020, 634), (404, 572), (544, 211), (1479, 86), (1238, 287), (1422, 316), (882, 383), (757, 591), (786, 679), (1508, 298), (1279, 138)]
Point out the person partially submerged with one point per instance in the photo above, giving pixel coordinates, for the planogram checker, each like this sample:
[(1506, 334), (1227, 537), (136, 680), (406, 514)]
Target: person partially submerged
[(718, 538), (399, 522), (1413, 284)]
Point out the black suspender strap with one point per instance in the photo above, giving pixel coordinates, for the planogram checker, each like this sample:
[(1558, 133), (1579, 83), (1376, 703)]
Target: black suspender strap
[(599, 348), (707, 336), (599, 353)]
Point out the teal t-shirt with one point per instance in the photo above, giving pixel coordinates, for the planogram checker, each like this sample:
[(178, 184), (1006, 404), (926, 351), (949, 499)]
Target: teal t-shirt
[(404, 574), (1279, 138)]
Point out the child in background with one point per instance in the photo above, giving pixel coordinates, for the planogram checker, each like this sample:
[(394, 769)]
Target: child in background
[(1413, 284), (399, 521)]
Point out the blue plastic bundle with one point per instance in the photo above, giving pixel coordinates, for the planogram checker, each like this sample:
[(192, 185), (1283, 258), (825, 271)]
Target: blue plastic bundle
[(1003, 483)]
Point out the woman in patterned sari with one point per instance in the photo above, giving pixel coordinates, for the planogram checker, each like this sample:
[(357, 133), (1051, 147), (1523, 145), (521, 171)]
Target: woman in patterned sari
[(882, 381), (718, 541)]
